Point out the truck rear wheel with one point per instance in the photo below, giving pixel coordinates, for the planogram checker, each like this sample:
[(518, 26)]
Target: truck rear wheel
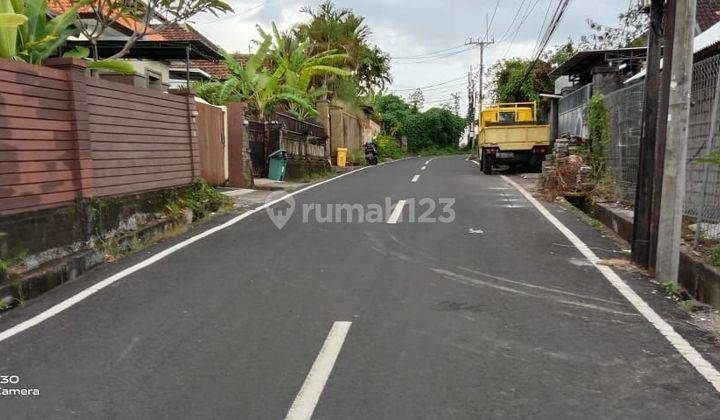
[(486, 164)]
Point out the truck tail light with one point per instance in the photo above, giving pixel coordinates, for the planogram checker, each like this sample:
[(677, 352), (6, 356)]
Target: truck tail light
[(539, 150), (491, 151)]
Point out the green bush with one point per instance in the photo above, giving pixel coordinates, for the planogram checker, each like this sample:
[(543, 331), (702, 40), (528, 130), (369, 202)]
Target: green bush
[(388, 147), (599, 134), (356, 157), (199, 197)]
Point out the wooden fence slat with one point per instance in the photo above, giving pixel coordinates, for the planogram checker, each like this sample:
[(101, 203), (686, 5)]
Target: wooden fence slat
[(31, 101), (162, 124), (133, 114), (95, 100), (141, 178), (37, 166), (97, 129), (141, 187), (40, 145), (136, 147), (36, 177), (36, 113)]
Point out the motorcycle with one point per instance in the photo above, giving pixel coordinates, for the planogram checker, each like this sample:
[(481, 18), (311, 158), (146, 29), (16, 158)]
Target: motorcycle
[(371, 153)]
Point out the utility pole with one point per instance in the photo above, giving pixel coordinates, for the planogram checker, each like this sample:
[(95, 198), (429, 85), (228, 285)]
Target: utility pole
[(643, 192), (673, 188), (667, 50), (471, 109), (482, 43)]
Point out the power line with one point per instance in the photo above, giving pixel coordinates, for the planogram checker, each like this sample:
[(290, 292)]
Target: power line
[(428, 54), (430, 86), (552, 27), (517, 30), (438, 57), (542, 26), (492, 19), (514, 19)]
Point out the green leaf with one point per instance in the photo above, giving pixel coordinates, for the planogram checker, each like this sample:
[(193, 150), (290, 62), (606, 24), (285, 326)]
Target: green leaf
[(11, 20), (78, 52), (117, 66)]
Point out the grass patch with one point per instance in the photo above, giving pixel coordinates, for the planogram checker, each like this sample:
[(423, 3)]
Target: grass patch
[(7, 264), (317, 176), (199, 197), (714, 256)]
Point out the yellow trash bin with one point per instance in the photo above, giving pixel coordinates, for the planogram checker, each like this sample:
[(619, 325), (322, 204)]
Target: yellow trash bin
[(341, 156)]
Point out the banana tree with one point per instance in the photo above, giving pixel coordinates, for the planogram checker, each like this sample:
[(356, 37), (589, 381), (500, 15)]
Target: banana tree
[(261, 88), (298, 68), (10, 21)]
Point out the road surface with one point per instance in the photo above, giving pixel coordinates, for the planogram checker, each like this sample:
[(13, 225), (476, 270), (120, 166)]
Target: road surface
[(493, 315)]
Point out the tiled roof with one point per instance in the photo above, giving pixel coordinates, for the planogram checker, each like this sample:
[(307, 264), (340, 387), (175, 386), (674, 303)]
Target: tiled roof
[(218, 69), (708, 13)]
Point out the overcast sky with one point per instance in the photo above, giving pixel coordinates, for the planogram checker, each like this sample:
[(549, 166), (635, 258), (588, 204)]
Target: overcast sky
[(408, 28)]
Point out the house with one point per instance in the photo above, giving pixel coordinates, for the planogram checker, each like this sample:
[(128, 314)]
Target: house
[(158, 57)]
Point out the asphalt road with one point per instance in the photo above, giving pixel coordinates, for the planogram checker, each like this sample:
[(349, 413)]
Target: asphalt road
[(493, 315)]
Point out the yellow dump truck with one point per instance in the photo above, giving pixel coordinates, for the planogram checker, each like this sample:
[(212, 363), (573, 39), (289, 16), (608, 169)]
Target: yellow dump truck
[(510, 134)]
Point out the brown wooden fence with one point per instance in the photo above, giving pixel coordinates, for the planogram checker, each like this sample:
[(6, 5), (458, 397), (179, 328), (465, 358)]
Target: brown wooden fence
[(64, 135)]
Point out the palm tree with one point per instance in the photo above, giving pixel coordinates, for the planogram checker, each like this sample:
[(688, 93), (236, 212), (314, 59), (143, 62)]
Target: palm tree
[(333, 29)]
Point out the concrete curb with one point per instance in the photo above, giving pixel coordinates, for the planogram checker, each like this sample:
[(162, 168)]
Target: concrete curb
[(701, 280), (54, 273)]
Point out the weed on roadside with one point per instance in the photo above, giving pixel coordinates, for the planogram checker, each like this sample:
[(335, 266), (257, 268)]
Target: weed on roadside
[(7, 264), (714, 256), (199, 197), (318, 176), (671, 289)]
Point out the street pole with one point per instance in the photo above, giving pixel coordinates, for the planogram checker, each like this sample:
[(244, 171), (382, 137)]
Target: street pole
[(482, 43), (643, 192), (668, 37), (673, 188), (471, 109)]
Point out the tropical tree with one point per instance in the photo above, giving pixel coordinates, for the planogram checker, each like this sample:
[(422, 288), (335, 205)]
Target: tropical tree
[(373, 69), (333, 29), (417, 99), (298, 68), (517, 80)]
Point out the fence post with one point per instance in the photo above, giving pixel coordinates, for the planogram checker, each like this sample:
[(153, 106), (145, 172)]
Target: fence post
[(77, 87), (238, 144), (706, 166), (336, 130)]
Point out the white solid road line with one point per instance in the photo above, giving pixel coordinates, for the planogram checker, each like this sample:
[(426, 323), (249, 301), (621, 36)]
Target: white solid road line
[(415, 178), (423, 168), (396, 213), (84, 294), (306, 400), (706, 369)]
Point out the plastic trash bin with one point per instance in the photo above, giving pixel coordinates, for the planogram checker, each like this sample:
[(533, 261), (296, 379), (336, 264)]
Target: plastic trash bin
[(278, 163), (341, 156)]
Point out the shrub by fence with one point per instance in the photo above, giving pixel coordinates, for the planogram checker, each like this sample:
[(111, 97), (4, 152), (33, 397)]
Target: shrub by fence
[(65, 135)]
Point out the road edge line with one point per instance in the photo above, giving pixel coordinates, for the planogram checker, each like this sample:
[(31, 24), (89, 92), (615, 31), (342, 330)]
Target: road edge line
[(91, 290), (705, 368), (307, 398)]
